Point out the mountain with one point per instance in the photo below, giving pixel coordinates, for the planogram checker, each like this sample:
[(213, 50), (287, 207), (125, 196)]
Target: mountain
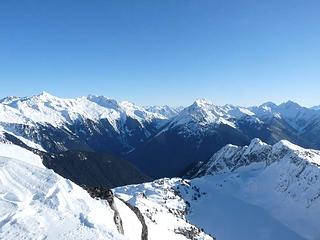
[(92, 123), (36, 203), (165, 110), (316, 107), (252, 192), (201, 129)]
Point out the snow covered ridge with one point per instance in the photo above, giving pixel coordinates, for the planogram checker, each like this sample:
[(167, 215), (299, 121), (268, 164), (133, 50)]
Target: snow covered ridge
[(205, 113), (36, 203), (45, 108), (231, 157), (255, 192), (45, 122), (283, 180)]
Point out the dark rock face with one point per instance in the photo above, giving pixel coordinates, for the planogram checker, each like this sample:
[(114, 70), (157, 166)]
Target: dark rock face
[(144, 233), (107, 194)]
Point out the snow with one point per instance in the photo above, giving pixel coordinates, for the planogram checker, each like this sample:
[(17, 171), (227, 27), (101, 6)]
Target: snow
[(196, 119), (254, 192), (163, 210), (232, 218), (279, 183), (36, 203), (201, 114), (165, 110), (24, 140), (48, 109)]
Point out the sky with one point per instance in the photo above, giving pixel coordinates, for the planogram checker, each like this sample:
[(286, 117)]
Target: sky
[(242, 52)]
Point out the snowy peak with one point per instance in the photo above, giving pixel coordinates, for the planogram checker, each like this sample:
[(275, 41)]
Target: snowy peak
[(45, 95), (201, 102), (202, 113), (256, 146), (8, 100), (104, 101), (269, 105), (316, 108), (290, 105), (231, 157), (46, 108), (165, 110)]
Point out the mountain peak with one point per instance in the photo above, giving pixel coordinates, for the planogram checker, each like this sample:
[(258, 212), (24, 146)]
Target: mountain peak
[(270, 105), (43, 96), (8, 100), (256, 142), (290, 104), (103, 101), (202, 102), (285, 144)]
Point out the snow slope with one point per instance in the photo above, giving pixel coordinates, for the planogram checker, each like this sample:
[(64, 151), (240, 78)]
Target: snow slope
[(36, 203)]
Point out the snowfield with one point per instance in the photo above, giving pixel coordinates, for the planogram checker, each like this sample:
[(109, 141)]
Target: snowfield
[(36, 203)]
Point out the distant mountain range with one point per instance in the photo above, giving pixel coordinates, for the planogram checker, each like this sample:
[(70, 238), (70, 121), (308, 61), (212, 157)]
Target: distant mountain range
[(161, 141)]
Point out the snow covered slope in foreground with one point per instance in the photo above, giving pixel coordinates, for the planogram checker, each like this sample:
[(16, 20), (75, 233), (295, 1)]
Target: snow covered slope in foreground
[(254, 192), (36, 203)]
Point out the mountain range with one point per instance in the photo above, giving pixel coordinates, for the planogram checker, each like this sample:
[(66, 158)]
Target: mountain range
[(161, 141)]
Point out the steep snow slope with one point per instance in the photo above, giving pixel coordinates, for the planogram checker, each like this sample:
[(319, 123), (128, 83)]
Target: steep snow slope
[(36, 203)]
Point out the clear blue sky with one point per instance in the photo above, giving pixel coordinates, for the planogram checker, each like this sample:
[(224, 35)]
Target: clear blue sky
[(162, 52)]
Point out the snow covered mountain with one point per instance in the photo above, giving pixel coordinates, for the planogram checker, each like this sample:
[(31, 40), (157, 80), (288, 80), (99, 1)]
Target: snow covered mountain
[(253, 192), (201, 129), (316, 107), (36, 203), (87, 123), (165, 110)]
